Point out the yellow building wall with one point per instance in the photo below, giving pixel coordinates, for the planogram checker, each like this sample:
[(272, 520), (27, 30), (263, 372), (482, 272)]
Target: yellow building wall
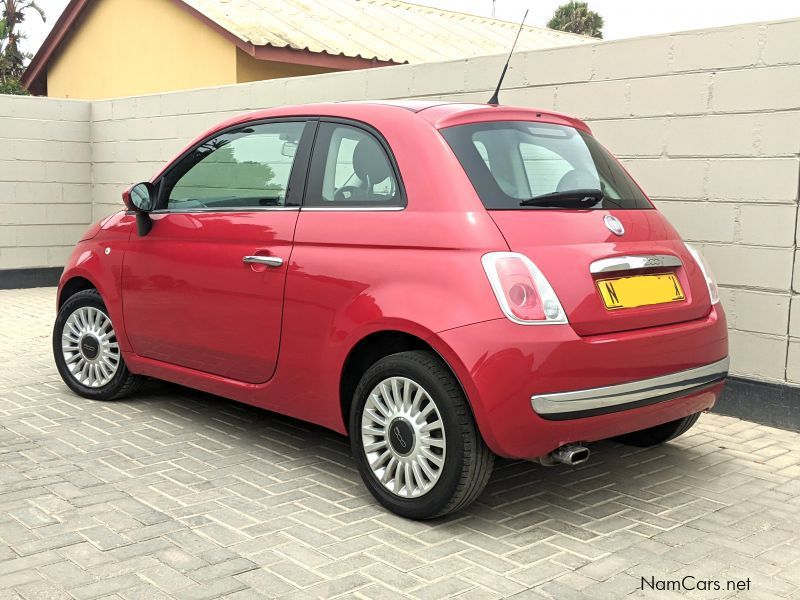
[(132, 47), (251, 69)]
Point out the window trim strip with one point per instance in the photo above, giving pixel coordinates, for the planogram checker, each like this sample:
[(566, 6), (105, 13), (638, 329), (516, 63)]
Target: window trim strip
[(352, 208), (167, 211)]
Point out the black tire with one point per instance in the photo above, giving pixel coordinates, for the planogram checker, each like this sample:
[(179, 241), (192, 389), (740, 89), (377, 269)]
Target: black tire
[(467, 460), (123, 382), (660, 433)]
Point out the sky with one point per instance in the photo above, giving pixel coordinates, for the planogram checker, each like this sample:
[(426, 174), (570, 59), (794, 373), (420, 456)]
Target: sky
[(623, 18)]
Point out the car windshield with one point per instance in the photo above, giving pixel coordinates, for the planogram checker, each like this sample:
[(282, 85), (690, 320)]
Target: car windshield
[(524, 165)]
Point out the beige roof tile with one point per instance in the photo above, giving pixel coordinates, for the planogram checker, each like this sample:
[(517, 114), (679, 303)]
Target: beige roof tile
[(387, 30)]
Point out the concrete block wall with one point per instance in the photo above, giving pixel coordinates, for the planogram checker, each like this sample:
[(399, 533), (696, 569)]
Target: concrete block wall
[(707, 121), (45, 180)]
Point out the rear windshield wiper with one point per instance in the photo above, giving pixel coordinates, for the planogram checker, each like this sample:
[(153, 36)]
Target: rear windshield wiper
[(583, 197)]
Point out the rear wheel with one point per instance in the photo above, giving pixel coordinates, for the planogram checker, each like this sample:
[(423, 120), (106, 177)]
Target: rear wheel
[(660, 433), (86, 350), (414, 439)]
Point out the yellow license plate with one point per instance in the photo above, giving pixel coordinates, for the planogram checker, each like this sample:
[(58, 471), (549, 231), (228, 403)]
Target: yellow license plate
[(640, 290)]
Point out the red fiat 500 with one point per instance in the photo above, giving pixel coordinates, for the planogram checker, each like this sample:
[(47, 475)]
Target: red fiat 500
[(442, 282)]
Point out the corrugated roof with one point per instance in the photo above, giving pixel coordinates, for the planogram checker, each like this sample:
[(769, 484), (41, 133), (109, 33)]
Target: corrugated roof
[(386, 30), (337, 34)]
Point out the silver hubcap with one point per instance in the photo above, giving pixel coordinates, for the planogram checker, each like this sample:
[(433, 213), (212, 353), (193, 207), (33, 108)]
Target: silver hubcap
[(403, 437), (90, 348)]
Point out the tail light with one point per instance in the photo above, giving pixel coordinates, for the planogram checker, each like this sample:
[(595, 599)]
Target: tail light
[(523, 292), (713, 290)]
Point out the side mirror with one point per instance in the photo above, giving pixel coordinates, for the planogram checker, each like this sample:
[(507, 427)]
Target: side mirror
[(289, 149), (141, 199)]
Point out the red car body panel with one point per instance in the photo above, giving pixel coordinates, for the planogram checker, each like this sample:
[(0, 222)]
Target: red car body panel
[(504, 364), (187, 310), (178, 277), (566, 242), (98, 258)]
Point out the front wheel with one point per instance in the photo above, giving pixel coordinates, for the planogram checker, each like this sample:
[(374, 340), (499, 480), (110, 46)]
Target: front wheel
[(86, 350), (660, 433), (414, 438)]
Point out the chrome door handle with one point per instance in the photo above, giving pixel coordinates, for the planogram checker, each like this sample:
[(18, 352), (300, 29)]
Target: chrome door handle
[(270, 261)]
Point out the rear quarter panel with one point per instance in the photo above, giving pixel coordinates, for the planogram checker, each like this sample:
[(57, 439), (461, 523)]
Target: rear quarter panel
[(353, 273)]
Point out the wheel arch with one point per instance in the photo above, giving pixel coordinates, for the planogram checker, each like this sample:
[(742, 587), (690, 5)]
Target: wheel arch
[(72, 286), (375, 346), (87, 276)]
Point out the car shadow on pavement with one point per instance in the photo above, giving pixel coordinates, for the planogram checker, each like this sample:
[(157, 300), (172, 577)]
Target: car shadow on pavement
[(645, 491)]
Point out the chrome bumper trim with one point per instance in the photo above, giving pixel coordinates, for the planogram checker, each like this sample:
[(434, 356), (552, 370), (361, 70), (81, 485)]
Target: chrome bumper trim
[(616, 397), (630, 263)]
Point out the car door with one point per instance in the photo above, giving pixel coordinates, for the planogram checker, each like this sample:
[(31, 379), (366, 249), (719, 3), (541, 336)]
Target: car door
[(204, 288)]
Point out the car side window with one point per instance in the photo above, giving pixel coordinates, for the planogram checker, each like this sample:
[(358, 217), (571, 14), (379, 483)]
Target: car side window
[(244, 168), (350, 168)]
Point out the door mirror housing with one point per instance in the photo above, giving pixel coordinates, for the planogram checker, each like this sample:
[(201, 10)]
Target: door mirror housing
[(141, 199), (289, 149)]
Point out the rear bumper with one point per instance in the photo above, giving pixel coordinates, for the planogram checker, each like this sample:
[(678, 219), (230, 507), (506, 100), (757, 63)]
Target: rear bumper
[(597, 401), (504, 366)]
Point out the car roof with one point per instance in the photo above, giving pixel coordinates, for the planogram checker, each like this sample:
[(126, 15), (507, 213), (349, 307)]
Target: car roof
[(438, 113)]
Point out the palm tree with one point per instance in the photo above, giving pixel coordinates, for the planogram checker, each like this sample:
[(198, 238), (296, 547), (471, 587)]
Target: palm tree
[(575, 17), (3, 42), (12, 59)]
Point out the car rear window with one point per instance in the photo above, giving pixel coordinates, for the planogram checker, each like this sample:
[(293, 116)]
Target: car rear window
[(511, 162)]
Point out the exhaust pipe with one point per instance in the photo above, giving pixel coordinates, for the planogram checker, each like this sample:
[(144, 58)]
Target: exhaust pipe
[(571, 454)]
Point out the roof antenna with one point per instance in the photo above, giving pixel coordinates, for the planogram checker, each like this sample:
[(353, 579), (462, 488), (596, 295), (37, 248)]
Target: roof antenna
[(494, 99)]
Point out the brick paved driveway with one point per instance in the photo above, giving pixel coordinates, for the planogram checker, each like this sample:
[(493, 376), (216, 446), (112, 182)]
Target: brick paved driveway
[(179, 494)]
